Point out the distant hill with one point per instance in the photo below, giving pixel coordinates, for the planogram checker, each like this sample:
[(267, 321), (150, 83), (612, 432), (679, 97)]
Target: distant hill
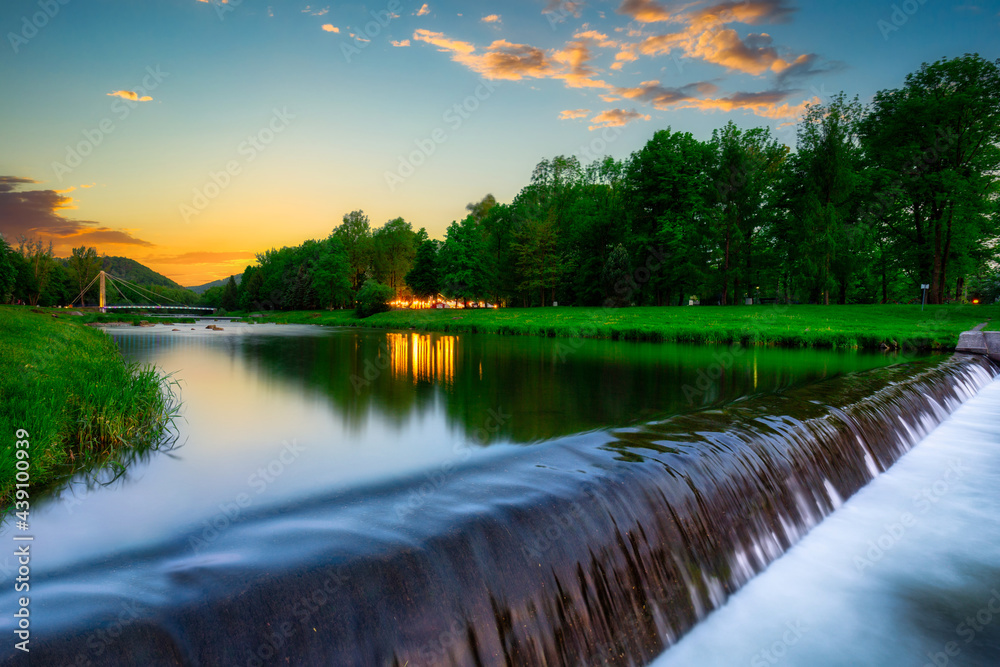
[(134, 272), (201, 289)]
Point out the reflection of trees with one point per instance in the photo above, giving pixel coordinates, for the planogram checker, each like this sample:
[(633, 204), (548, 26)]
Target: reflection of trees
[(549, 390)]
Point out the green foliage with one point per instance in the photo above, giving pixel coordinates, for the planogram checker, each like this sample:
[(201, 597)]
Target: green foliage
[(8, 273), (373, 297), (614, 277), (84, 265), (934, 148), (465, 263), (134, 272), (356, 235), (424, 278), (229, 300), (393, 249), (331, 273)]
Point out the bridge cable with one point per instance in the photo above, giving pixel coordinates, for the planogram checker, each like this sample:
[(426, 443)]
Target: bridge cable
[(153, 294), (85, 289)]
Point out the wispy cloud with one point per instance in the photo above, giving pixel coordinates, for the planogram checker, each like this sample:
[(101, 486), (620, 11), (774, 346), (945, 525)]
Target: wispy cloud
[(400, 43), (329, 27), (130, 95), (573, 114), (492, 18), (424, 10), (206, 257), (616, 118)]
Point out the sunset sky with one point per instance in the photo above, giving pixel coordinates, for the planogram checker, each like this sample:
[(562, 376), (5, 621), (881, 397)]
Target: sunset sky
[(190, 134)]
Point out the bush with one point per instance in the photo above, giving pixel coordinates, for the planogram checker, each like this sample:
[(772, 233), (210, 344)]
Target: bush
[(373, 297)]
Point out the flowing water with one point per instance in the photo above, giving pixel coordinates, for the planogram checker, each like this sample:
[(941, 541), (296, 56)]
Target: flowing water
[(369, 498)]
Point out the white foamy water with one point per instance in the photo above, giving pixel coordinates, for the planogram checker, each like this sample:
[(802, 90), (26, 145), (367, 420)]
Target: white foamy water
[(906, 572)]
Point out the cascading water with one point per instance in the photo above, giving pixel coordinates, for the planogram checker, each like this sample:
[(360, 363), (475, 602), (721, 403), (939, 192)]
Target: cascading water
[(602, 548)]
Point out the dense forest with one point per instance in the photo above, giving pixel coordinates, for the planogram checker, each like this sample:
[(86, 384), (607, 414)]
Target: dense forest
[(874, 201)]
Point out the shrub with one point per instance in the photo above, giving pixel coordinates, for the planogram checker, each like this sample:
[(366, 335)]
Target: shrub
[(373, 297)]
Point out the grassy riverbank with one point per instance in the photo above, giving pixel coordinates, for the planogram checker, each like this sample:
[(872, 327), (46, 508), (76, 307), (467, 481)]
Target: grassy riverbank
[(82, 405), (868, 327)]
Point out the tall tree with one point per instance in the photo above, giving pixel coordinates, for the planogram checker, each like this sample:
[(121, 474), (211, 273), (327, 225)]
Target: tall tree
[(38, 259), (230, 296), (424, 278), (466, 272), (668, 183), (826, 174), (747, 162), (8, 273), (393, 250), (84, 265), (331, 274), (936, 143), (356, 235)]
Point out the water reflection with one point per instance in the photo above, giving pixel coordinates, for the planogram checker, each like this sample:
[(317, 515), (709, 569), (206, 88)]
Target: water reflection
[(419, 357), (551, 388)]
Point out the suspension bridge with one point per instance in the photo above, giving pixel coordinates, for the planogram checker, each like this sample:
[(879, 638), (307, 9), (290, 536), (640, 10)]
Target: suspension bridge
[(122, 286)]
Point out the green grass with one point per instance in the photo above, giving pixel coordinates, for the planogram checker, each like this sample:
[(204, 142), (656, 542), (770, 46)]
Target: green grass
[(82, 404), (862, 326)]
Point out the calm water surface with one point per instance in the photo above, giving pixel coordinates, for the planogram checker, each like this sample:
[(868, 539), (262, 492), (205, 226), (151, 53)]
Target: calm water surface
[(272, 413)]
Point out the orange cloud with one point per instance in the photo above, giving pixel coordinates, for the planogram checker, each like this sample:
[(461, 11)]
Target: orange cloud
[(706, 36), (400, 43), (424, 10), (442, 42), (35, 214), (329, 27), (501, 60), (573, 114), (645, 11), (492, 18), (597, 37), (513, 62), (616, 118), (579, 74), (130, 95), (663, 97)]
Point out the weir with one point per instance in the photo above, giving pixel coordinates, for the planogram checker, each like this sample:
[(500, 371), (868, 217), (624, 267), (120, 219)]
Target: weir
[(601, 548)]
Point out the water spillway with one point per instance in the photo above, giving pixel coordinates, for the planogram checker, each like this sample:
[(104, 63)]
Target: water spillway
[(600, 548)]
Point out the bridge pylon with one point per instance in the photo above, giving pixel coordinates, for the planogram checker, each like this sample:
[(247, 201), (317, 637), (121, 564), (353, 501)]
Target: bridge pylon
[(102, 304)]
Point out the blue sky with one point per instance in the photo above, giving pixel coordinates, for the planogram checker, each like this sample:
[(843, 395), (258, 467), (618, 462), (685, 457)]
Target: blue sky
[(213, 131)]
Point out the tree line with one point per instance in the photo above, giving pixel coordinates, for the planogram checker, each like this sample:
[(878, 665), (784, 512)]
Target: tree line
[(875, 201)]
